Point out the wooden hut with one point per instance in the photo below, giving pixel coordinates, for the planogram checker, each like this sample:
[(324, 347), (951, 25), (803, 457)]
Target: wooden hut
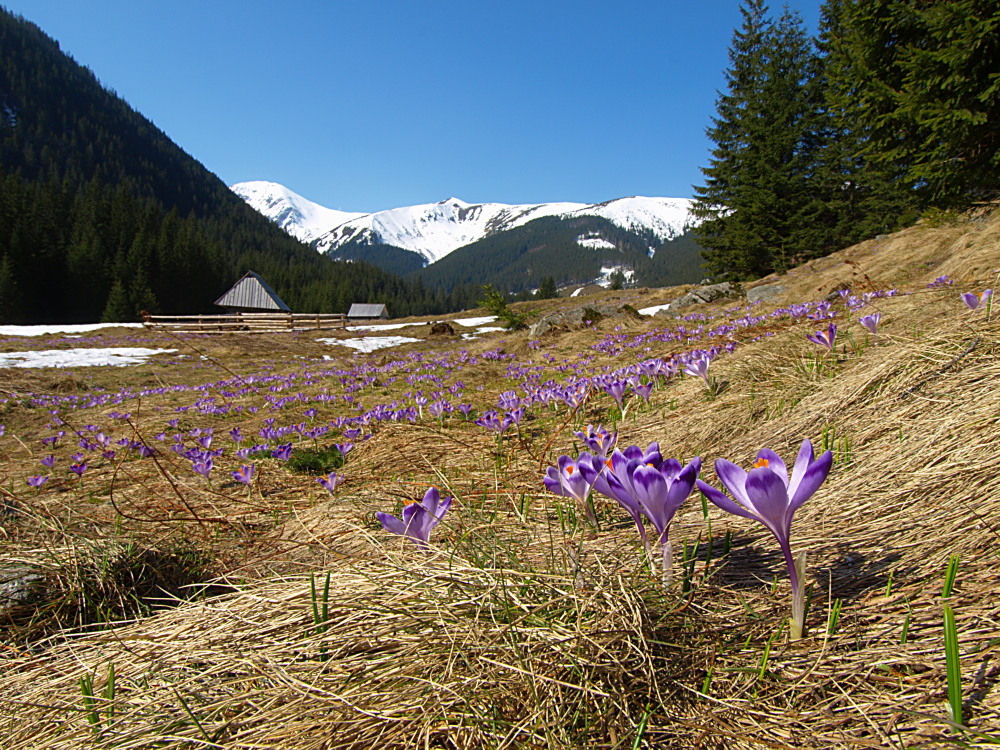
[(252, 294), (364, 311)]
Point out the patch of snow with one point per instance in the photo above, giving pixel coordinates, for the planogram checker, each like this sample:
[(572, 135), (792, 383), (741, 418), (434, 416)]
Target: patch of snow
[(113, 357), (654, 309), (383, 326), (607, 271), (473, 322), (370, 343), (42, 330), (595, 243), (577, 292), (481, 330)]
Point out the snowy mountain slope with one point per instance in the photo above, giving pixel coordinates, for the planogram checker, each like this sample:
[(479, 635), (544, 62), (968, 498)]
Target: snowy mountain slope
[(298, 216), (433, 230)]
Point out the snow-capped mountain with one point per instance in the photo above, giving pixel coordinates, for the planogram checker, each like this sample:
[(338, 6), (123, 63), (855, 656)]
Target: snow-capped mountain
[(298, 216), (433, 230)]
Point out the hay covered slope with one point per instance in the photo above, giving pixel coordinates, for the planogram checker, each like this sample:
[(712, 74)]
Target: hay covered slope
[(525, 627)]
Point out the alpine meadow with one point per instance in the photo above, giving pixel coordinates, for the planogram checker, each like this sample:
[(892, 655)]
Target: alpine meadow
[(718, 472)]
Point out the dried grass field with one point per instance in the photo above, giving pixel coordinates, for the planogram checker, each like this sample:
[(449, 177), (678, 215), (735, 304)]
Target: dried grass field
[(144, 604)]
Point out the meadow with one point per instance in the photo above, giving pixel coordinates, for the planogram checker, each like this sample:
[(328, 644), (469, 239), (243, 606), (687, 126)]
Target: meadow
[(190, 554)]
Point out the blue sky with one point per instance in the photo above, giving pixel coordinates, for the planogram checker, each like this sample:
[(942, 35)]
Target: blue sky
[(362, 106)]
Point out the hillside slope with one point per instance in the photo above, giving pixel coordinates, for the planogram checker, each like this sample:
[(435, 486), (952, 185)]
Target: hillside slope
[(520, 624)]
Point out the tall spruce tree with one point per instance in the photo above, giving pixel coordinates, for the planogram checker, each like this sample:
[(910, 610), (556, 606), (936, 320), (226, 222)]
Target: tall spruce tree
[(923, 76), (760, 206)]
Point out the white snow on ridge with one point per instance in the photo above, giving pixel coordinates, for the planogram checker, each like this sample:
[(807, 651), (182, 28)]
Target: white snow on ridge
[(368, 344), (433, 230), (298, 216)]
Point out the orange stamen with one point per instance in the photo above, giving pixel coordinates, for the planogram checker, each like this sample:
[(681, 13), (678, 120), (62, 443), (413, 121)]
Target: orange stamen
[(569, 469), (762, 463)]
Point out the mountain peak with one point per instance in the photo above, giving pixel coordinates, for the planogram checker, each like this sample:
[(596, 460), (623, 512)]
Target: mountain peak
[(433, 230)]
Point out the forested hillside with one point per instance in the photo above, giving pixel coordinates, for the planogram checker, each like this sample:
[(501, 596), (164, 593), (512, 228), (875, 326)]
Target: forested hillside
[(102, 216), (520, 258), (819, 143)]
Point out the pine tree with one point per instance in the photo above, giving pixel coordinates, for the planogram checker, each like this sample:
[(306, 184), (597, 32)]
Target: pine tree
[(760, 206), (547, 289), (924, 77)]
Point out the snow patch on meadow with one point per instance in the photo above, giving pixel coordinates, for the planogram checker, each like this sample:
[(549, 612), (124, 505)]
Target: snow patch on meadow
[(114, 357), (42, 330), (370, 343)]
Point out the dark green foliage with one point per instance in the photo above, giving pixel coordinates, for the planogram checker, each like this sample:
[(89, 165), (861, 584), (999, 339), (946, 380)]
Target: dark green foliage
[(547, 289), (387, 257), (495, 303), (762, 205), (923, 81), (102, 216), (319, 460), (523, 257)]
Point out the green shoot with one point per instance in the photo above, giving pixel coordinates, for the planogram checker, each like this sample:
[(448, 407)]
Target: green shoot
[(954, 665), (949, 576)]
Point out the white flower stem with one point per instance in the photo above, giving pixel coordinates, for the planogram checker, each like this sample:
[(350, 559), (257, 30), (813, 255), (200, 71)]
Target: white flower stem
[(668, 573), (797, 621)]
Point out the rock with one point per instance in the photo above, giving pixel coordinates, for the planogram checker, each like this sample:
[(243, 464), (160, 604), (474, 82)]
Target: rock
[(703, 294), (568, 320), (764, 293), (19, 585), (442, 328)]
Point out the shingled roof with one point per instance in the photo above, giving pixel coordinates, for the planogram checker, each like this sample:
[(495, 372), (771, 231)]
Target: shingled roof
[(252, 294), (366, 311)]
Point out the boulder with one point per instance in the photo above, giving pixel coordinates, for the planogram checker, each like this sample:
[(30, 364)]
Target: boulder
[(442, 328), (568, 320), (702, 295), (764, 293), (19, 585)]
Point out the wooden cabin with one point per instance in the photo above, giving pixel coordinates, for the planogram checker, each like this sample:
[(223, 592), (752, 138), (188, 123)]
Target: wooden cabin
[(252, 294), (365, 311)]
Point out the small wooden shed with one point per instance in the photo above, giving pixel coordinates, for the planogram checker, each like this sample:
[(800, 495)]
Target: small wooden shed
[(252, 294), (365, 311)]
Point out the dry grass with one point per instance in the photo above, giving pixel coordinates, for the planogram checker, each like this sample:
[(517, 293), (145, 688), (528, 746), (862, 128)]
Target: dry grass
[(526, 628)]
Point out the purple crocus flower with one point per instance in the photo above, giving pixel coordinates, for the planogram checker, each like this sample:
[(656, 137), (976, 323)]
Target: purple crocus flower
[(616, 389), (567, 480), (613, 478), (825, 338), (660, 491), (49, 461), (598, 440), (419, 519), (78, 468), (344, 448), (37, 480), (245, 473), (331, 481), (282, 452), (698, 367), (871, 322), (973, 301), (203, 466), (767, 494)]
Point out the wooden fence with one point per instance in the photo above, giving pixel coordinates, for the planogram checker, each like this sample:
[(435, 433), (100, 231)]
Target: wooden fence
[(245, 322)]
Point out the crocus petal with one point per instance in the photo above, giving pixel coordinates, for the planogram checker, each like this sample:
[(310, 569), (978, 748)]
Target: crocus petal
[(811, 480), (391, 523), (802, 462), (724, 502), (770, 499), (734, 479), (774, 463)]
